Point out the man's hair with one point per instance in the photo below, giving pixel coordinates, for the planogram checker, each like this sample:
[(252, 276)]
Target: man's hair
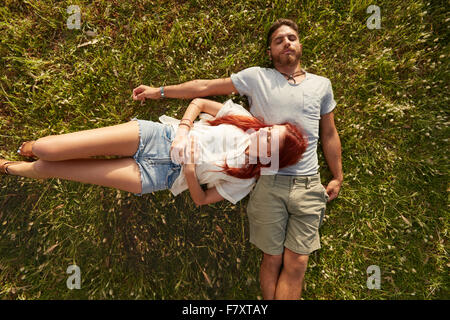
[(276, 25)]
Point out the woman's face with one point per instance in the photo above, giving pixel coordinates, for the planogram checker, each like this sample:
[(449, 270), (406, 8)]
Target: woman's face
[(265, 141)]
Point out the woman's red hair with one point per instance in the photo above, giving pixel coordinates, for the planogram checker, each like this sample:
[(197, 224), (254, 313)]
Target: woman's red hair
[(291, 151)]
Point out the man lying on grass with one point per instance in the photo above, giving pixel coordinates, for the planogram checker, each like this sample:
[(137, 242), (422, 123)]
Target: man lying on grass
[(285, 210)]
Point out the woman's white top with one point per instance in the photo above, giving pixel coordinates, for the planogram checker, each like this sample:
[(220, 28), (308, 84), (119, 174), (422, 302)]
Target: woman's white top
[(217, 144)]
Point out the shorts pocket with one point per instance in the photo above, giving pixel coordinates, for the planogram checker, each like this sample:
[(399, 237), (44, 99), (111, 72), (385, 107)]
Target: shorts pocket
[(167, 134), (322, 215), (173, 173), (259, 184), (325, 194), (266, 205)]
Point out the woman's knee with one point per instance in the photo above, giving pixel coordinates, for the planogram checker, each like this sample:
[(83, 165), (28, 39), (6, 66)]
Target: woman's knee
[(41, 168), (44, 149)]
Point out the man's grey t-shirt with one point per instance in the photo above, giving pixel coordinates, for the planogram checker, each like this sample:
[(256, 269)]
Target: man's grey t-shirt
[(275, 100)]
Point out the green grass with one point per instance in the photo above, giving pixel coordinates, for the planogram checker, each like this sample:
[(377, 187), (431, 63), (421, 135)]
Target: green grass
[(392, 116)]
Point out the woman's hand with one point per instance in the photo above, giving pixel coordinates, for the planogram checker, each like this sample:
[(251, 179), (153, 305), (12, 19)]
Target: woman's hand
[(179, 145), (192, 154), (145, 92), (199, 196)]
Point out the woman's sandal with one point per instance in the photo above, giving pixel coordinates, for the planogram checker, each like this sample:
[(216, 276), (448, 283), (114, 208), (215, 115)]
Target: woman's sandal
[(4, 164), (26, 149)]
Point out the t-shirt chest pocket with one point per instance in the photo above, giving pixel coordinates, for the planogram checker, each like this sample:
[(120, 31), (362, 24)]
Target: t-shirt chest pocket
[(311, 108), (284, 107)]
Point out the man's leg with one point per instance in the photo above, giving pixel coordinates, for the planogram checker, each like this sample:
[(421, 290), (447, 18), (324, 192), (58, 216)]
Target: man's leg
[(290, 282), (306, 210), (268, 275), (267, 217)]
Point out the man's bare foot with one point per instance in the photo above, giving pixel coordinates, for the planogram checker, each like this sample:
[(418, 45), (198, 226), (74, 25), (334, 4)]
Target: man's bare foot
[(26, 149)]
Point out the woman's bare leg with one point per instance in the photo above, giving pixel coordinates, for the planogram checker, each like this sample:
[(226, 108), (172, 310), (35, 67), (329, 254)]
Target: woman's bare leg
[(120, 140), (120, 174)]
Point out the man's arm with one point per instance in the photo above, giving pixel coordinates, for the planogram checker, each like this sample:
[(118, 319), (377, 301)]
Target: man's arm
[(187, 90), (331, 145)]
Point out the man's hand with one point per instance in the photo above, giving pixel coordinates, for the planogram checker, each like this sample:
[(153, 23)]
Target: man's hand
[(145, 92), (333, 188)]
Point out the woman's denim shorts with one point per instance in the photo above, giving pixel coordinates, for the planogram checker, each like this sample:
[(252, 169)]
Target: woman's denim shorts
[(158, 172)]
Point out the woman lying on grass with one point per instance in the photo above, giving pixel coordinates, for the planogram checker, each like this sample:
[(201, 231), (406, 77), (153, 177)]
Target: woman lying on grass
[(227, 152)]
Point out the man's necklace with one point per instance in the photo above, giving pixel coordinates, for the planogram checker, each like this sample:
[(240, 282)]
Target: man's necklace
[(291, 76)]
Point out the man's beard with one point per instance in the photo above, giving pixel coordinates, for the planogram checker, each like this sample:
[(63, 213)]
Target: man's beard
[(287, 60)]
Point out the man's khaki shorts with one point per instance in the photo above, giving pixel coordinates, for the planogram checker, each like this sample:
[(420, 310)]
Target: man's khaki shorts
[(287, 211)]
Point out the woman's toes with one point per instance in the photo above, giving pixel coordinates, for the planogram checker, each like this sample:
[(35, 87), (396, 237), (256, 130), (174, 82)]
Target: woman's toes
[(19, 151), (26, 149)]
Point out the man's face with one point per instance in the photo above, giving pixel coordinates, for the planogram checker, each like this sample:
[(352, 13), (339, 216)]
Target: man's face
[(285, 47)]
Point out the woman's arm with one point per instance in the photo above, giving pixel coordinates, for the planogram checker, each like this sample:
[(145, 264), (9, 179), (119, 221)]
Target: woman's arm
[(199, 196), (193, 110), (199, 105)]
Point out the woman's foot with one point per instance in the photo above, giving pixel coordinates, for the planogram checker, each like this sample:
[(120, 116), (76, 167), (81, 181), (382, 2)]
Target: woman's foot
[(4, 164), (26, 149)]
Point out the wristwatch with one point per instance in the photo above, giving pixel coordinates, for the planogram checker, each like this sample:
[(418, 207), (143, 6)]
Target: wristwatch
[(161, 90)]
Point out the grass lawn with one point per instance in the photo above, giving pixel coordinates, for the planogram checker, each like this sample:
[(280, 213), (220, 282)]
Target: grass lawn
[(391, 115)]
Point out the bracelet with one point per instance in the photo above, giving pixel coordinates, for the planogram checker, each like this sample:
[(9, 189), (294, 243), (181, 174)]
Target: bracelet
[(188, 120), (181, 124), (161, 91)]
